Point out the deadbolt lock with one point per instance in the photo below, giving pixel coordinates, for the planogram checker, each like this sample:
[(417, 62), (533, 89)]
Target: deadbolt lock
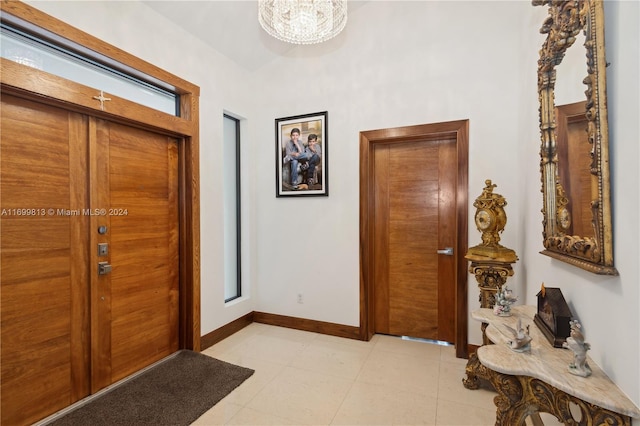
[(103, 249)]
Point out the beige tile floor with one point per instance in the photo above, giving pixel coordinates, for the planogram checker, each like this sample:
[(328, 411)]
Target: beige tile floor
[(306, 378)]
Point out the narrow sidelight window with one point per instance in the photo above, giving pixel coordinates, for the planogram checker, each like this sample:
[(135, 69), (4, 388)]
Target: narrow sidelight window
[(232, 222)]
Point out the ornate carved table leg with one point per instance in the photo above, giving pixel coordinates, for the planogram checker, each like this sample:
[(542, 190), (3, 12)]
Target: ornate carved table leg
[(521, 396), (511, 404), (471, 381), (475, 371)]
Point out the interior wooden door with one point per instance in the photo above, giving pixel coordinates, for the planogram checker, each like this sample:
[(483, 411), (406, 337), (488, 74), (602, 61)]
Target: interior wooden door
[(134, 189), (44, 260), (574, 160), (415, 217), (68, 183)]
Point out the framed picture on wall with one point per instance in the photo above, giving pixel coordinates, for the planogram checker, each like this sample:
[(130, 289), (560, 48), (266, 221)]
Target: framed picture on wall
[(301, 155)]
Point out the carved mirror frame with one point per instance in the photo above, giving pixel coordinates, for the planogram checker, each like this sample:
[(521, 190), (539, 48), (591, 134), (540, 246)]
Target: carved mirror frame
[(565, 21)]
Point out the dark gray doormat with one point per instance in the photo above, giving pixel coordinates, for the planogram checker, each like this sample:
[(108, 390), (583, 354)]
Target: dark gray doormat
[(174, 392)]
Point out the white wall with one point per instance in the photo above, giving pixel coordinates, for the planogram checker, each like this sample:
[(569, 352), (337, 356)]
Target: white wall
[(397, 64)]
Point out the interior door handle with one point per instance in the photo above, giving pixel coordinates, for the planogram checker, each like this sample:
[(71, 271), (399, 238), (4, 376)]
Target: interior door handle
[(104, 268), (448, 251)]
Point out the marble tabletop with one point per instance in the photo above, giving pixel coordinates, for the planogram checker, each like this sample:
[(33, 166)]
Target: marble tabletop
[(546, 363)]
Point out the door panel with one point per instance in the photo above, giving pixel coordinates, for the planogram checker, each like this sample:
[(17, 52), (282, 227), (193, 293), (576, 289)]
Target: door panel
[(143, 210), (98, 174), (414, 286), (413, 216), (381, 305), (447, 237), (44, 269)]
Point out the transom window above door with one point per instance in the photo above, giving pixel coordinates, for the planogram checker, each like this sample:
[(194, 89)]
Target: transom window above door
[(70, 61)]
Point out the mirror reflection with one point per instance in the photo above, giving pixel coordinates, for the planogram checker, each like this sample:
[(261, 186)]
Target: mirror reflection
[(570, 73), (574, 170), (574, 216)]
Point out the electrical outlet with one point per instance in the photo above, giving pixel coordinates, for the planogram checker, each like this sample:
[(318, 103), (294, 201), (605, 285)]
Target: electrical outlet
[(300, 300)]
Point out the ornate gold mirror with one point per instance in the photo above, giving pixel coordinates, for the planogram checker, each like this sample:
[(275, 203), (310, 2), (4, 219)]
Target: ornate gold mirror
[(575, 140)]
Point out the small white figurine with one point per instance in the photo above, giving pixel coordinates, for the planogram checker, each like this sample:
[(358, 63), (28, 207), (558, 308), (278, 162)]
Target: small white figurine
[(576, 343), (521, 339), (504, 300)]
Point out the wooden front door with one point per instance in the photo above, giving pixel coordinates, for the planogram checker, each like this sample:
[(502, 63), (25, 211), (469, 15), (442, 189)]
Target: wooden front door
[(134, 188), (67, 330), (415, 217)]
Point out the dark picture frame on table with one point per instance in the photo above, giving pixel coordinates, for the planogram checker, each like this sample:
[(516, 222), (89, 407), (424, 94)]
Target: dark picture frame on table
[(302, 168)]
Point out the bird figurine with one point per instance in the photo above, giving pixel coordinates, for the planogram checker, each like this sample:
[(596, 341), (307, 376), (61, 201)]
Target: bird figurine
[(521, 341)]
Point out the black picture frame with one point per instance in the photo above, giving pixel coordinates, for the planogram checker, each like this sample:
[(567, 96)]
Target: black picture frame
[(309, 176)]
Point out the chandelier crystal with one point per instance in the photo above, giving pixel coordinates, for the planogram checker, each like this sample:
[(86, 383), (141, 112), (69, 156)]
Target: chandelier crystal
[(302, 21)]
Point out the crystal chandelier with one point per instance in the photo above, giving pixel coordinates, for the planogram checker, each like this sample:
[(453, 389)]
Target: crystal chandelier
[(302, 21)]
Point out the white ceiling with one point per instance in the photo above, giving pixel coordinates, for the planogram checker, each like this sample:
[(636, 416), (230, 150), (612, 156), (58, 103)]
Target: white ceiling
[(231, 27)]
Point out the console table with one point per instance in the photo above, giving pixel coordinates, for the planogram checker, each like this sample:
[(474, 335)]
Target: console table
[(539, 381)]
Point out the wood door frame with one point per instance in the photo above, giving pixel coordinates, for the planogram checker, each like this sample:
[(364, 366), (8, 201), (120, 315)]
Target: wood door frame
[(457, 130), (46, 88)]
